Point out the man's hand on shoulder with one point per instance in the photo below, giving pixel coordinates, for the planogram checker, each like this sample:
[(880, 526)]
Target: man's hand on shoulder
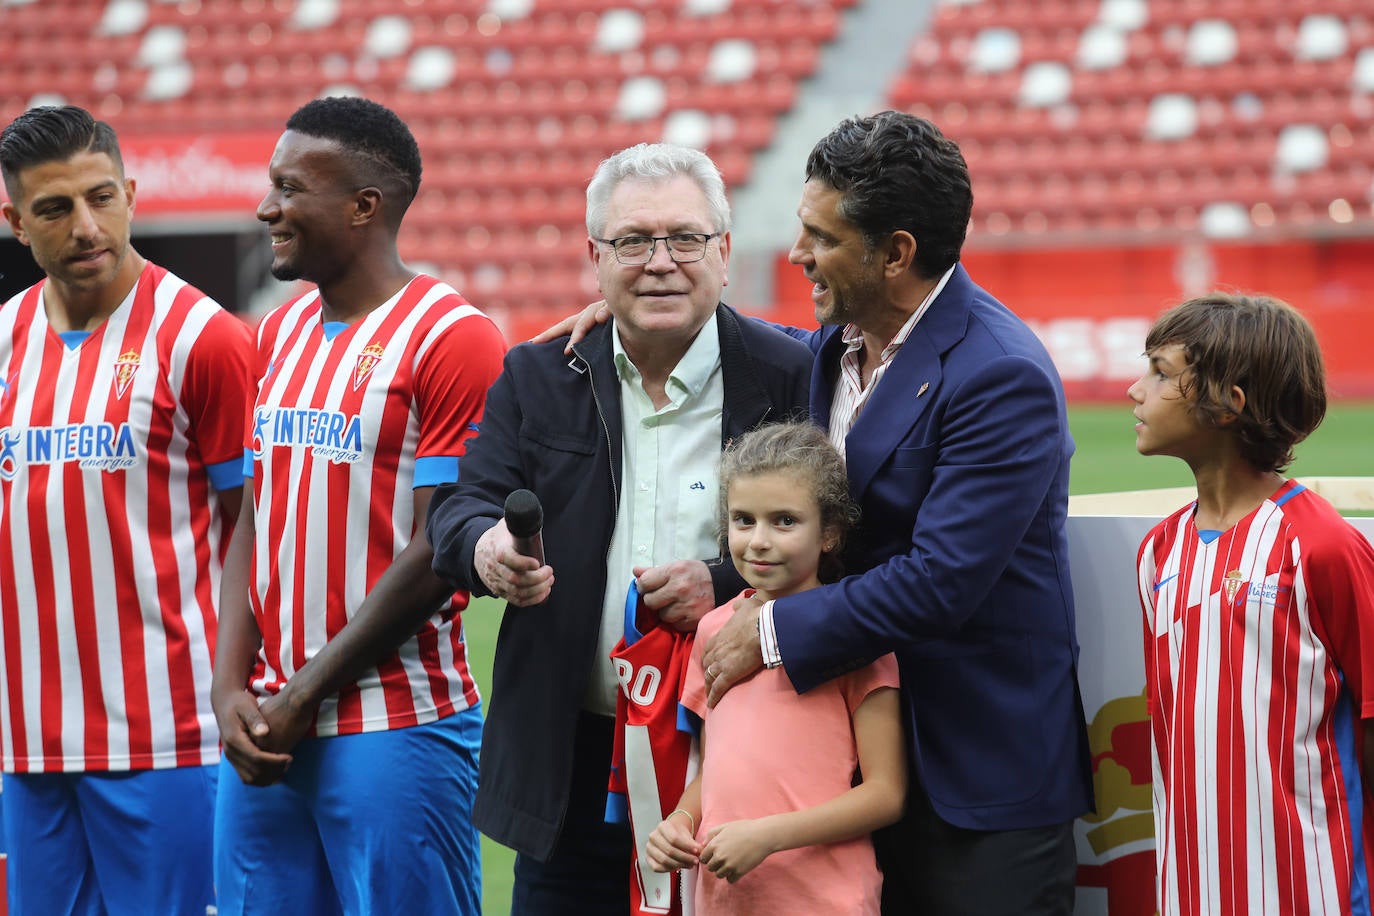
[(734, 654), (508, 574), (680, 592), (576, 326)]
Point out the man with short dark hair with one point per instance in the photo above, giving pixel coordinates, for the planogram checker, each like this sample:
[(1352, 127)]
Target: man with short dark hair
[(123, 392), (341, 653), (952, 420)]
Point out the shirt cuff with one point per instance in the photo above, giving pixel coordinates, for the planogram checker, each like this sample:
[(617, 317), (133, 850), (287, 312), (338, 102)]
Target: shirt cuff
[(768, 637)]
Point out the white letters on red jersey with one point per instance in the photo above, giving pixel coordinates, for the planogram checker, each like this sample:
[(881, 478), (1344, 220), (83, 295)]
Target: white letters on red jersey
[(110, 527), (1259, 667), (349, 420), (655, 754)]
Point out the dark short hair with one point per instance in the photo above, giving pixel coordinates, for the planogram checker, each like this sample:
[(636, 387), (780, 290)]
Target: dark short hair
[(1261, 345), (380, 141), (898, 172), (53, 133)]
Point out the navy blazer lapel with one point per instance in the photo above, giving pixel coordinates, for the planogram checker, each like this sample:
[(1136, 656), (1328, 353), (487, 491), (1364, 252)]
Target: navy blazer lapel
[(824, 371), (910, 385)]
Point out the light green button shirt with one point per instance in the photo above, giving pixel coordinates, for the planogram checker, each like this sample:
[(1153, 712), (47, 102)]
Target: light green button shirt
[(668, 494)]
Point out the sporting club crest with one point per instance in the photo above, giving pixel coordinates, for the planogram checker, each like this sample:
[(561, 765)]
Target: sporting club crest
[(1231, 584), (367, 361), (124, 369)]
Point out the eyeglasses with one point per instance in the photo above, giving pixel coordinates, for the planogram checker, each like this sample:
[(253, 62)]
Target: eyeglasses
[(683, 247)]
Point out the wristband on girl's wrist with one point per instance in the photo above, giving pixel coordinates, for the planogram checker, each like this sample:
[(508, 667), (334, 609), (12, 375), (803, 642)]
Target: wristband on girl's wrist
[(691, 820)]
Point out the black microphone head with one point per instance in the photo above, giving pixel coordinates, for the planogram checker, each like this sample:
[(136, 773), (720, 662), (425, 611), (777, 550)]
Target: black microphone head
[(524, 515)]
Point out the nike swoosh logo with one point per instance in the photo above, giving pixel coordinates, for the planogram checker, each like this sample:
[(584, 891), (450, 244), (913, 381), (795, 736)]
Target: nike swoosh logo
[(1163, 582)]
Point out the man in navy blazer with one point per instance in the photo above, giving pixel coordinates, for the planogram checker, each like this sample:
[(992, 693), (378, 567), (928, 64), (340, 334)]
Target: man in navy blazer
[(952, 420)]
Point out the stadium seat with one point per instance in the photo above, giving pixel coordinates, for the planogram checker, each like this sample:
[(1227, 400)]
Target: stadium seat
[(1076, 116), (1122, 115)]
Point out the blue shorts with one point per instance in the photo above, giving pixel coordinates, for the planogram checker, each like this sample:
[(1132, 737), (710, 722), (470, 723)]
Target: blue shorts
[(374, 823), (96, 843)]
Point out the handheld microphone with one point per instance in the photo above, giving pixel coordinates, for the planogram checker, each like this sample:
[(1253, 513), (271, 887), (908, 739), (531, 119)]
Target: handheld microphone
[(525, 521)]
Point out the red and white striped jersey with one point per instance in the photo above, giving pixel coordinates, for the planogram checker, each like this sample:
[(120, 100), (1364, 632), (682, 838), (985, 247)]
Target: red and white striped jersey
[(655, 754), (345, 427), (1259, 669), (110, 527)]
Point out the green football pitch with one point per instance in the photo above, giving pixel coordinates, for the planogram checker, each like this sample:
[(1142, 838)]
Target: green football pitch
[(1106, 460)]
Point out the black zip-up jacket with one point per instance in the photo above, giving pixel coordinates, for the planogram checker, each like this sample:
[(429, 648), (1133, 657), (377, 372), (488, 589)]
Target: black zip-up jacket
[(552, 425)]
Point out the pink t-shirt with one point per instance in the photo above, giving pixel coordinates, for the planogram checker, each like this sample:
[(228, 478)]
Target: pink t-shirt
[(770, 750)]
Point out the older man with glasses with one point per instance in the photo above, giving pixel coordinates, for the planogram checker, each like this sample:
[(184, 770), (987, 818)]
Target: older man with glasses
[(620, 444), (683, 247)]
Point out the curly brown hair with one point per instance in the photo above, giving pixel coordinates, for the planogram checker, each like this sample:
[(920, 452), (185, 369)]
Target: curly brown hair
[(803, 449)]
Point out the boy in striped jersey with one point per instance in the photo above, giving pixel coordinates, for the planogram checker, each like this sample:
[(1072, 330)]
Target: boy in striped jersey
[(1259, 626), (123, 392), (341, 653)]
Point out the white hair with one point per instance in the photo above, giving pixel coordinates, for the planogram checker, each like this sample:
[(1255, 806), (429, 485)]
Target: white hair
[(657, 162)]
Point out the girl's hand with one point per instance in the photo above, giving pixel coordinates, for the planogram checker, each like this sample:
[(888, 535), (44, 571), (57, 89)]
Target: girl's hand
[(671, 846), (733, 850)]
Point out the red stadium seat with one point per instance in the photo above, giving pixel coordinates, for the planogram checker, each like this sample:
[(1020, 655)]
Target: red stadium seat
[(1088, 165), (511, 142)]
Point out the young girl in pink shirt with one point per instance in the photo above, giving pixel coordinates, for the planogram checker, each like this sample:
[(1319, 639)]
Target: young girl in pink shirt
[(778, 817)]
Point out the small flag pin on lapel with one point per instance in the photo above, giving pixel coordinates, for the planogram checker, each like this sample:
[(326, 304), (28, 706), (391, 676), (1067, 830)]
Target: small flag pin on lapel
[(922, 389)]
